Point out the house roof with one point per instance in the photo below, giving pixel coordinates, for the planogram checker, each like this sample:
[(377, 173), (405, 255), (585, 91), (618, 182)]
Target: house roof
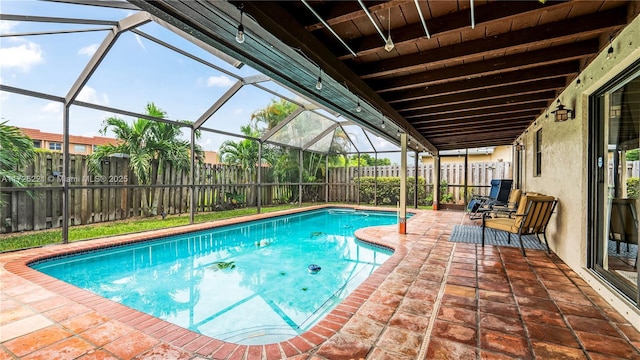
[(36, 134)]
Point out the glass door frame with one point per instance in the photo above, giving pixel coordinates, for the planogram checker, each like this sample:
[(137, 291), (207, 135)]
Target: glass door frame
[(597, 163)]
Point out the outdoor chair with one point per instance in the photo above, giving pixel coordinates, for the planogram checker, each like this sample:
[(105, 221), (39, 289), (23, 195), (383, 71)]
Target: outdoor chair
[(623, 224), (531, 217), (498, 195), (510, 207)]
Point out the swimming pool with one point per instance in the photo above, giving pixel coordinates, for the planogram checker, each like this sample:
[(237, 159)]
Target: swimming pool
[(247, 284)]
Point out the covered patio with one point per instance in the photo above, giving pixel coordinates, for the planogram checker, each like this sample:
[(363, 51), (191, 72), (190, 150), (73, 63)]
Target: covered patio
[(434, 299)]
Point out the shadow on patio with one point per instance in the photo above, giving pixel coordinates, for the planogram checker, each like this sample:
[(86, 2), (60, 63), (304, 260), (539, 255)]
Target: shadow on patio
[(433, 299)]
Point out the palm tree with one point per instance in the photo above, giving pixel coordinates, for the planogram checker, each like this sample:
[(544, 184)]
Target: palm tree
[(16, 152), (150, 145)]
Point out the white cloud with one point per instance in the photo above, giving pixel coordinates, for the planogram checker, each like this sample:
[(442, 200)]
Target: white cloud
[(23, 56), (88, 50), (7, 26), (219, 81), (90, 95), (238, 111), (53, 107)]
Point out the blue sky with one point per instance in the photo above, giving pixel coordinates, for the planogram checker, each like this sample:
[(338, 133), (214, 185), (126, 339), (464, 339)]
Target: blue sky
[(135, 71)]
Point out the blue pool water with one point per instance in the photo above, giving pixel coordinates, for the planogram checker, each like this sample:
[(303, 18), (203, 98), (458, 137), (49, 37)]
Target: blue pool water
[(248, 284)]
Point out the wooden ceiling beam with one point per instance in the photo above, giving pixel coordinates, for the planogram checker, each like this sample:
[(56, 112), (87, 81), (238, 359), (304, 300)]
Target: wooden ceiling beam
[(505, 115), (483, 94), (485, 82), (526, 60), (486, 104), (338, 12), (479, 129), (582, 27), (450, 23), (469, 113)]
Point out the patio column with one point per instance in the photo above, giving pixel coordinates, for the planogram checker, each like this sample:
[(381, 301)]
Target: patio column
[(375, 181), (415, 182), (192, 177), (326, 179), (259, 178), (436, 182), (301, 163), (402, 216), (65, 173)]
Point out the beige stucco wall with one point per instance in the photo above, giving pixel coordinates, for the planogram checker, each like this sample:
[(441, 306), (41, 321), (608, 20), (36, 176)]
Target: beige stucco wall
[(564, 163)]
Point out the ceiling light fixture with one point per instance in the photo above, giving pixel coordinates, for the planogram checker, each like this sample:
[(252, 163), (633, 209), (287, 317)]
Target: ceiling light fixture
[(383, 125), (328, 28), (424, 24), (240, 32), (358, 107), (388, 45), (610, 51), (319, 83), (473, 18), (366, 11)]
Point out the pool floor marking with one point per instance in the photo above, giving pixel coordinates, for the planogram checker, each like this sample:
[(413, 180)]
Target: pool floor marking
[(282, 314), (223, 311)]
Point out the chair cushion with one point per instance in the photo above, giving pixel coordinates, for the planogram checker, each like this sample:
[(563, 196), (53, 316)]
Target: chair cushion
[(504, 224)]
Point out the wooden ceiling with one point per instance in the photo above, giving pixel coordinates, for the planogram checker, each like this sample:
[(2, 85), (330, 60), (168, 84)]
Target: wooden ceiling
[(462, 87)]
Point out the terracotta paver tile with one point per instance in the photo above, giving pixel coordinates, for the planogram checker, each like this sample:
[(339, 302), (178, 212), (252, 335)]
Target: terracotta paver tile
[(134, 344), (608, 345), (364, 329), (400, 341), (84, 321), (36, 295), (222, 352), (165, 351), (24, 326), (498, 308), (505, 343), (410, 322), (464, 316), (444, 349), (70, 348), (66, 312), (500, 323), (384, 354), (344, 347), (39, 339), (579, 323), (542, 317), (454, 332), (552, 334), (463, 291), (106, 332), (416, 307), (495, 296), (376, 312), (555, 351), (458, 302), (581, 310), (98, 355), (15, 313)]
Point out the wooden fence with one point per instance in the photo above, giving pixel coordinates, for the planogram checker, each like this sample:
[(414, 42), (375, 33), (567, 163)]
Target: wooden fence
[(116, 194), (343, 182)]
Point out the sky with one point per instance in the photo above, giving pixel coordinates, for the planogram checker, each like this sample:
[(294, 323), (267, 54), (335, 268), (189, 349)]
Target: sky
[(136, 71)]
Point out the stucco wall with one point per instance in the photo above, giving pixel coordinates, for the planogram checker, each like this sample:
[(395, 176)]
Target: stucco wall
[(564, 162)]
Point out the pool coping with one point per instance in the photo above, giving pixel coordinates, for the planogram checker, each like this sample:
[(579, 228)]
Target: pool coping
[(192, 341)]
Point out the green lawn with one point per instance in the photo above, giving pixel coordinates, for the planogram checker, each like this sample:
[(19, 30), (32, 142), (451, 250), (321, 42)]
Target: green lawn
[(44, 237), (29, 239)]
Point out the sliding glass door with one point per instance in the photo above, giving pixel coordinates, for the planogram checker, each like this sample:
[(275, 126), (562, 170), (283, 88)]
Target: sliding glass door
[(615, 181)]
